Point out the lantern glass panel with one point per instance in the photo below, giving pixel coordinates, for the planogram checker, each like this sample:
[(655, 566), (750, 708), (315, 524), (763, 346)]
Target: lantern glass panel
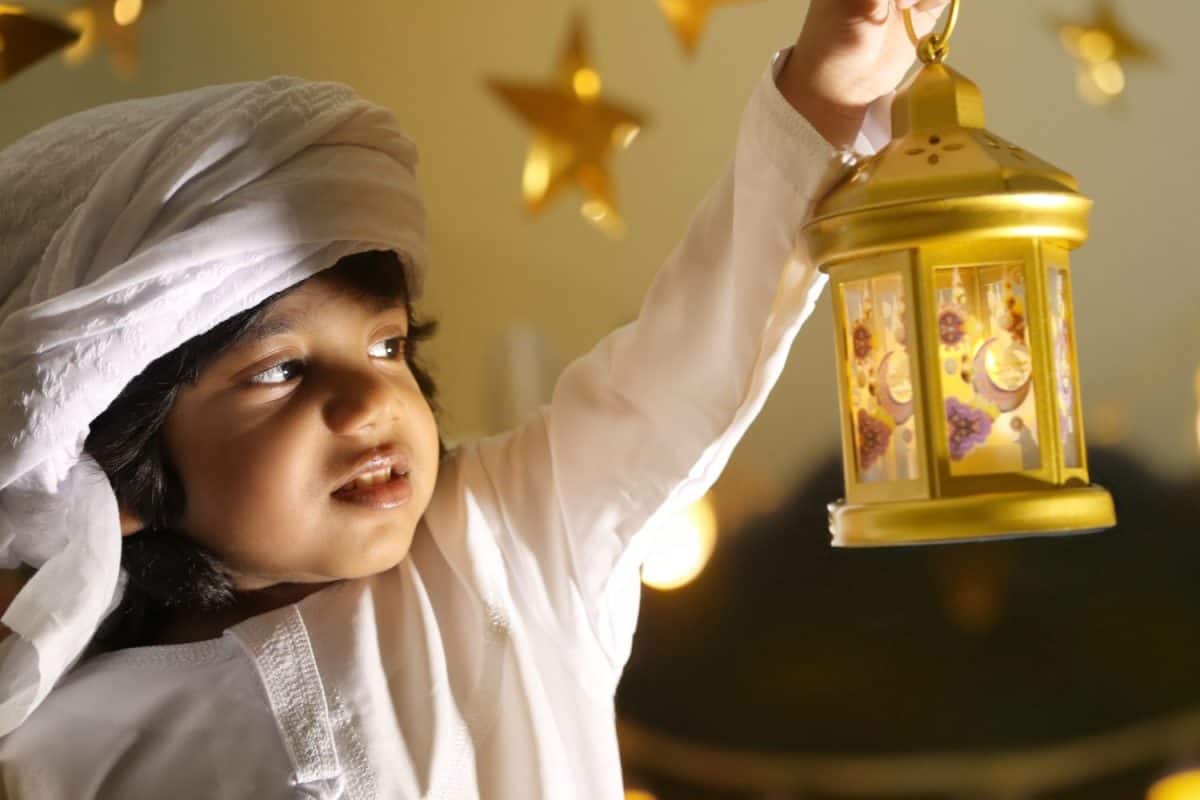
[(986, 368), (1066, 393), (879, 381)]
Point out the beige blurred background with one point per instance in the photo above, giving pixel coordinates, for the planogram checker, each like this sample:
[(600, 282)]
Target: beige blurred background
[(496, 270)]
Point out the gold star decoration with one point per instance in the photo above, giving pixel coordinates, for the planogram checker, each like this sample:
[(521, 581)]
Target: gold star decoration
[(688, 18), (26, 38), (1100, 48), (575, 131), (112, 24)]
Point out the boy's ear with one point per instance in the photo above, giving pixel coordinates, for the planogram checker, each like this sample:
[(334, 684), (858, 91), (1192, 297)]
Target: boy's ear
[(130, 522)]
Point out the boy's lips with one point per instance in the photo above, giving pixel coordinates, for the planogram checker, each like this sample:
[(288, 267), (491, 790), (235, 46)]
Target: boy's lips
[(375, 460), (389, 494)]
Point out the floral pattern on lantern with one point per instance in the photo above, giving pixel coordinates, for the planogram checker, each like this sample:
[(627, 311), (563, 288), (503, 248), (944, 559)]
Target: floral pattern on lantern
[(987, 375), (880, 387), (874, 435), (951, 327), (968, 427), (862, 341)]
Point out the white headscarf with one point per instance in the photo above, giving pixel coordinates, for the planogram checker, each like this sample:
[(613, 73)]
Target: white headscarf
[(126, 230)]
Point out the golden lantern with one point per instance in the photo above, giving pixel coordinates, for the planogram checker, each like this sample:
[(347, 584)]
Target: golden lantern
[(947, 254)]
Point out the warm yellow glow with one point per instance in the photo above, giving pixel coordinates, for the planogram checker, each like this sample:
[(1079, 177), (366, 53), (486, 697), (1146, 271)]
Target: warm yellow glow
[(639, 794), (682, 547), (1046, 199), (536, 177), (594, 210), (126, 12), (82, 20), (1198, 407), (623, 135), (586, 83), (1180, 786), (603, 216), (1107, 424), (1091, 91), (1096, 46), (1108, 77)]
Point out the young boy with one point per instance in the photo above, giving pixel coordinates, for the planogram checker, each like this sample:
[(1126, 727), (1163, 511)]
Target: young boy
[(397, 624)]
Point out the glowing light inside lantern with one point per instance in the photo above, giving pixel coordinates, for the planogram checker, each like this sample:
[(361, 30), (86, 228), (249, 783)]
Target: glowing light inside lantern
[(682, 547)]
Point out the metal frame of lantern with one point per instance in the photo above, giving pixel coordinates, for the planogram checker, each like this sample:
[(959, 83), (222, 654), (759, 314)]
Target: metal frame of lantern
[(957, 369)]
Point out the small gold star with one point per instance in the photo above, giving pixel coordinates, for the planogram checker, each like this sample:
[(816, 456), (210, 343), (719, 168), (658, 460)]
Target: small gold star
[(575, 131), (688, 18), (112, 23), (26, 38), (1101, 48)]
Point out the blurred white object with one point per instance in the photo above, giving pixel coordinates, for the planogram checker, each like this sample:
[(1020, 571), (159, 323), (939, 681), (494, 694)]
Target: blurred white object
[(525, 370)]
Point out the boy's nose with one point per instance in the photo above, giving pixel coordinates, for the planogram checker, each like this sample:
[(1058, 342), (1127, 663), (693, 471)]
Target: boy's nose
[(361, 398)]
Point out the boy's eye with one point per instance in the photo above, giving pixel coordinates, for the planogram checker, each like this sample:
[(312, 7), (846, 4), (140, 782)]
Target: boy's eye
[(394, 347), (282, 372)]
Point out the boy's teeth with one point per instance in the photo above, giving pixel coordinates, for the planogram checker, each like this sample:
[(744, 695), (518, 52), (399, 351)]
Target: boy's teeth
[(371, 478)]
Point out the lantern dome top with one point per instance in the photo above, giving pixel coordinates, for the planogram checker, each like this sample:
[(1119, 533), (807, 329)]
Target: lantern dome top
[(943, 166), (941, 149)]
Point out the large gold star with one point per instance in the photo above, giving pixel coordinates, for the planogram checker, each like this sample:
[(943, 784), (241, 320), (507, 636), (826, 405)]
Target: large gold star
[(112, 23), (26, 38), (688, 17), (575, 132), (1100, 48)]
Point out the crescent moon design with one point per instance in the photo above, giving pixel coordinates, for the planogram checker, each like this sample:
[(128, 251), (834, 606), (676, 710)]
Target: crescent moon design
[(1004, 399), (898, 411)]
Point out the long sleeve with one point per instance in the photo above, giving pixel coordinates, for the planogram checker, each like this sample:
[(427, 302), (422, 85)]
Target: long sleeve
[(643, 424)]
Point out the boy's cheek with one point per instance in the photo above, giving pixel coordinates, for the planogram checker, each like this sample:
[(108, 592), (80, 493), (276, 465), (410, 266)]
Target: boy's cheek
[(251, 500)]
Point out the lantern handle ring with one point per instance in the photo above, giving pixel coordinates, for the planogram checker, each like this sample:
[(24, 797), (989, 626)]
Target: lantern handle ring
[(932, 47)]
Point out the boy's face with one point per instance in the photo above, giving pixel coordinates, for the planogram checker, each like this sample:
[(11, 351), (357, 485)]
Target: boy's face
[(274, 426)]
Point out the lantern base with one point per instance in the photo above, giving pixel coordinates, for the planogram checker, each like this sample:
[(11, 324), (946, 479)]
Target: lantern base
[(1003, 515)]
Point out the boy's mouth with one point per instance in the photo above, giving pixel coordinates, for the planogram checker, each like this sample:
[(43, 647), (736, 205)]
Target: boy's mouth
[(376, 467), (379, 489), (378, 477)]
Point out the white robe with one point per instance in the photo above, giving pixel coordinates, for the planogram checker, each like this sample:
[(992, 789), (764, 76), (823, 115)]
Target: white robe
[(485, 664)]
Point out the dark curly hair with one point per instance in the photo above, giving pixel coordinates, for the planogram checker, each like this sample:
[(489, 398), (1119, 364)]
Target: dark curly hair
[(168, 571)]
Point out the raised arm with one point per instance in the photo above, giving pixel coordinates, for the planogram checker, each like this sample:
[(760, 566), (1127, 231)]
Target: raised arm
[(644, 423)]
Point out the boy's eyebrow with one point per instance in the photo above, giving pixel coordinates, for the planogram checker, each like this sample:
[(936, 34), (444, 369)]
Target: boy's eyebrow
[(286, 323), (273, 326)]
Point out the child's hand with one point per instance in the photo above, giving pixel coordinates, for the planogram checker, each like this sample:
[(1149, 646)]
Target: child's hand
[(849, 53)]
